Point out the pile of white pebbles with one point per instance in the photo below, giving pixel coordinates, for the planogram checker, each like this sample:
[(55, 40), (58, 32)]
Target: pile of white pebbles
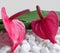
[(34, 44)]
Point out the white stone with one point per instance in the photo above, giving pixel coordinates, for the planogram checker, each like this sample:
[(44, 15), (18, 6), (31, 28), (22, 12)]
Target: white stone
[(44, 50), (31, 42), (57, 51), (37, 42), (27, 36), (53, 51), (35, 49), (22, 51), (40, 46), (25, 47), (24, 42), (5, 49), (56, 46), (29, 52), (50, 46), (46, 41), (32, 38)]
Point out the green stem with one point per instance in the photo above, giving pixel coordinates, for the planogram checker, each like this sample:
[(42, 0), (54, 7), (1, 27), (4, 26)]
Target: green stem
[(27, 18)]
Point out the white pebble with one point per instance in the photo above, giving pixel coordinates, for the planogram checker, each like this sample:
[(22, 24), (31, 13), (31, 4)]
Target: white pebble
[(27, 36), (53, 51), (5, 49), (44, 50), (22, 51), (57, 51), (32, 38), (32, 43), (56, 46), (29, 52), (25, 46), (35, 49), (40, 46), (24, 42), (50, 46)]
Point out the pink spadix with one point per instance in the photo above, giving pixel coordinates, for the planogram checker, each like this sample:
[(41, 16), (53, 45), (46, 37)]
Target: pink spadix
[(15, 28), (46, 27)]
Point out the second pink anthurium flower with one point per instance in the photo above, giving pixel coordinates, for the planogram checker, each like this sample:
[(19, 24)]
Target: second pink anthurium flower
[(46, 27), (15, 28)]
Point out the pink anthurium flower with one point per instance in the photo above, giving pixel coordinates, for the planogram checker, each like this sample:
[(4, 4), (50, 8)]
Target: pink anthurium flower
[(46, 27), (15, 28)]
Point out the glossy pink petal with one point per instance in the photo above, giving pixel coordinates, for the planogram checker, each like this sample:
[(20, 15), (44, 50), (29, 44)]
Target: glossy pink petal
[(46, 27), (15, 28), (18, 32)]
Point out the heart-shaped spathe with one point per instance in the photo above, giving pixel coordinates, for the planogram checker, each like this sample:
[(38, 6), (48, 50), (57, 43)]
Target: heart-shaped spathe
[(15, 28), (46, 27)]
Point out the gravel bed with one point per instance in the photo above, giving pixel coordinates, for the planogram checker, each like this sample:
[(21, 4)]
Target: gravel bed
[(31, 44)]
